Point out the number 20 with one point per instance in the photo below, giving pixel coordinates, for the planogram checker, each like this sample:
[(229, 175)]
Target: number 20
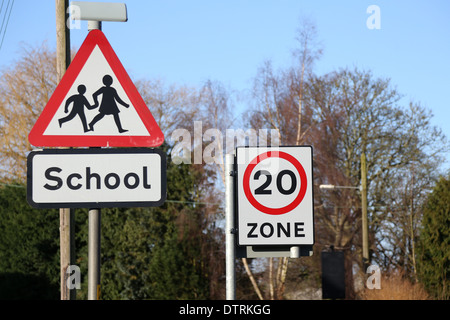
[(263, 189)]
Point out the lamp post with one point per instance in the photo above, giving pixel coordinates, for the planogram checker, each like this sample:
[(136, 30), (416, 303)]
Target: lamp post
[(365, 229), (332, 186), (95, 13)]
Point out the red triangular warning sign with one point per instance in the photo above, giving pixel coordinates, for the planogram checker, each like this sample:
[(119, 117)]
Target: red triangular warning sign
[(96, 104)]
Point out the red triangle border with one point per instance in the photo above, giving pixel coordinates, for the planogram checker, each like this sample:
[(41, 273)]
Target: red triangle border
[(36, 136)]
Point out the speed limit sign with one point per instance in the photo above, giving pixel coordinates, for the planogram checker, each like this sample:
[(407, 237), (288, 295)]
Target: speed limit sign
[(275, 196)]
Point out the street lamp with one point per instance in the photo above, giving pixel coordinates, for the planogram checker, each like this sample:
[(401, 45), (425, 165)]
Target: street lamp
[(95, 13), (332, 187), (365, 229)]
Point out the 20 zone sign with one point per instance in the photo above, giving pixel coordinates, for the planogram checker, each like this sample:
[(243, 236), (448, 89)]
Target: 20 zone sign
[(275, 196)]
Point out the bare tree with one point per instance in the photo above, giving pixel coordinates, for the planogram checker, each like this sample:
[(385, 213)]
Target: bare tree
[(217, 116), (347, 113), (25, 88), (172, 106), (358, 113), (307, 52), (279, 103)]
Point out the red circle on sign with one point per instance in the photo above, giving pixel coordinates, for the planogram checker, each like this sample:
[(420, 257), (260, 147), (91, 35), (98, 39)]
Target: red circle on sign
[(293, 204)]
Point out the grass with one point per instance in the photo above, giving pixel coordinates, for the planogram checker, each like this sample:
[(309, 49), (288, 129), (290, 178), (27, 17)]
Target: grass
[(396, 287)]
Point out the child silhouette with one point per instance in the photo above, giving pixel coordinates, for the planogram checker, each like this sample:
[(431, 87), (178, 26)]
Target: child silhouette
[(79, 102), (108, 105)]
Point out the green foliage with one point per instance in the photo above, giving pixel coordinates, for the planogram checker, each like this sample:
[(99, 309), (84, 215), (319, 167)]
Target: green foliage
[(434, 242), (166, 252), (29, 248), (156, 253)]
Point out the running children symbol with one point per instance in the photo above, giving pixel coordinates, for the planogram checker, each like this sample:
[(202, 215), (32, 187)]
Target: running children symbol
[(79, 102), (96, 104), (108, 105)]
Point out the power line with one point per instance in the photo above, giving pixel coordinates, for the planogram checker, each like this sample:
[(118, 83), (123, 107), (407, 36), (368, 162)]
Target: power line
[(195, 202), (5, 18), (172, 201)]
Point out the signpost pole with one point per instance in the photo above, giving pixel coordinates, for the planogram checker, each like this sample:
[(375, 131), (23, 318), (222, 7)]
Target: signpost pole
[(94, 13), (94, 254), (94, 230), (295, 252), (230, 250)]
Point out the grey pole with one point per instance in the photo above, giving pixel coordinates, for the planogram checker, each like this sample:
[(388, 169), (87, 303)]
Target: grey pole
[(94, 254), (230, 250), (92, 25), (95, 13), (94, 231), (295, 252)]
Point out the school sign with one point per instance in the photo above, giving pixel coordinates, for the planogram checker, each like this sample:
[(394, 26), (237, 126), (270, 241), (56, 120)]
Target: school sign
[(96, 105)]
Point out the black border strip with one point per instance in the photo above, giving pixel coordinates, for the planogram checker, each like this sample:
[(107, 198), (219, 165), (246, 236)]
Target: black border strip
[(158, 203)]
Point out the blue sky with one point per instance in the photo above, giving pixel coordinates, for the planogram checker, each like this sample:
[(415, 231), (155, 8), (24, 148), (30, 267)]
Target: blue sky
[(190, 41)]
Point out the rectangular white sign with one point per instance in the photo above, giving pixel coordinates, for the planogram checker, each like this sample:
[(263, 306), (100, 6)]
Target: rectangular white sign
[(96, 178), (275, 195)]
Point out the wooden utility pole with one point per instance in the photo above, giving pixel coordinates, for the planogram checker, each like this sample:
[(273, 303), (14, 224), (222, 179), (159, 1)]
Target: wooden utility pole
[(365, 222), (66, 215), (62, 38)]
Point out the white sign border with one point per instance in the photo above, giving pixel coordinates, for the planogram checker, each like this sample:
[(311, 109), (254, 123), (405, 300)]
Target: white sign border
[(236, 170), (93, 151)]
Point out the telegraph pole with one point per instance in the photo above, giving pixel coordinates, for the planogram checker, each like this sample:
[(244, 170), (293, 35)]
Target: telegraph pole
[(66, 215), (365, 222), (62, 38)]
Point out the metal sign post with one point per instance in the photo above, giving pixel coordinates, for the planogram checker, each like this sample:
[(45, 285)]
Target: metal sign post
[(95, 229), (269, 205), (97, 177), (94, 254), (230, 232)]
